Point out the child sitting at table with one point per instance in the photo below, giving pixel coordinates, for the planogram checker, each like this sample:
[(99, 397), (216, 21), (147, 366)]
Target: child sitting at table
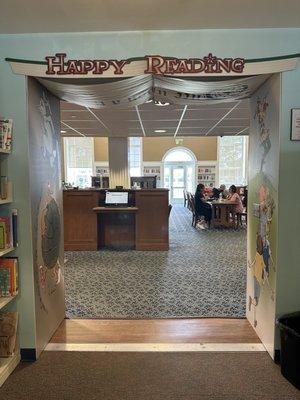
[(235, 198)]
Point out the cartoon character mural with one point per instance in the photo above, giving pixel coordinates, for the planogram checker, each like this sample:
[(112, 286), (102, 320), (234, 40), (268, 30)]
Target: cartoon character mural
[(263, 262), (49, 218)]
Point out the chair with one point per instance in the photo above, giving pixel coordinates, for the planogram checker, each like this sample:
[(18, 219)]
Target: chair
[(188, 195), (185, 198), (241, 218), (196, 218)]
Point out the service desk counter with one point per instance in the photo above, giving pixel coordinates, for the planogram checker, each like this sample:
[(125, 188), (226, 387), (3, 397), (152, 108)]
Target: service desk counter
[(89, 225)]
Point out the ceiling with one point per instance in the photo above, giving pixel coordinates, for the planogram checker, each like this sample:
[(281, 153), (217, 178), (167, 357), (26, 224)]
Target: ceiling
[(19, 16), (145, 120)]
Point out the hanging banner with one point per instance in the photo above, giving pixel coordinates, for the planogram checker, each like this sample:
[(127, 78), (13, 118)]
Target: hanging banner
[(59, 65)]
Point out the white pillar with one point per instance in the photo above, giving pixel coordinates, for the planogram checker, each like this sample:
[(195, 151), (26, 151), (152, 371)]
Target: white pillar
[(118, 162)]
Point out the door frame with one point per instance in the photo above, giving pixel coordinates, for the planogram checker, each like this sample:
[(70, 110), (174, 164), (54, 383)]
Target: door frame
[(179, 164), (193, 162)]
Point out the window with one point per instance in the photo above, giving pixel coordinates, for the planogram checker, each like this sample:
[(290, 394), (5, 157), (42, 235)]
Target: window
[(135, 156), (179, 155), (79, 156), (233, 160)]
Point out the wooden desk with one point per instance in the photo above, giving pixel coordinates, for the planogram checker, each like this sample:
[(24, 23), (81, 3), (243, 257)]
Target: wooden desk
[(221, 213), (114, 209), (116, 227), (91, 226)]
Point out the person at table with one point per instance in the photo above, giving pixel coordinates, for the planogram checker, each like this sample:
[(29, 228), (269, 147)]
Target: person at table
[(235, 198), (202, 208), (220, 191), (225, 193)]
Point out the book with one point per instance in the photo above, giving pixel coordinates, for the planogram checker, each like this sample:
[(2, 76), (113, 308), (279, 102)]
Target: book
[(8, 333), (6, 134), (10, 282), (6, 229), (15, 227), (5, 282), (3, 187), (2, 236), (5, 232)]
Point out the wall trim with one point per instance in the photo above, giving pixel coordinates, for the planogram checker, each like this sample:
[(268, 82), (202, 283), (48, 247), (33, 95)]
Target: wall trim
[(28, 354)]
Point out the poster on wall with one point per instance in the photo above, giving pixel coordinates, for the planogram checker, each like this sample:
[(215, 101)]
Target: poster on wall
[(295, 128)]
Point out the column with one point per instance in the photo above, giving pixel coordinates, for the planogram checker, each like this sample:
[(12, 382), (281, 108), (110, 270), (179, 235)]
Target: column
[(118, 162)]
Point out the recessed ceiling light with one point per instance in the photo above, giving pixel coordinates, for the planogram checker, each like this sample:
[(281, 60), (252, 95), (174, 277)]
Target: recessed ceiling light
[(73, 116), (160, 131), (161, 103), (63, 131)]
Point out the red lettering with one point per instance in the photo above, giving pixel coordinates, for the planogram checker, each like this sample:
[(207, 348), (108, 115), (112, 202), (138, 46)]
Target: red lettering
[(100, 66), (238, 65), (56, 61), (154, 64), (118, 66)]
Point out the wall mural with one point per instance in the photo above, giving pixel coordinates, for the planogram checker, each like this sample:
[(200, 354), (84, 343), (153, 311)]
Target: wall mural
[(46, 200), (263, 182), (49, 219)]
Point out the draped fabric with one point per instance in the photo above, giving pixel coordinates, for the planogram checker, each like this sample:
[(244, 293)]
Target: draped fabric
[(138, 90)]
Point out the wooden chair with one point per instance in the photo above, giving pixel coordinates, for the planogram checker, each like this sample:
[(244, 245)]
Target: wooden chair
[(241, 219), (196, 218)]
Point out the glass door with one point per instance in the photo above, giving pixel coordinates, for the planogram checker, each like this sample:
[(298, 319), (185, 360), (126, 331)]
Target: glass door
[(178, 183), (177, 177)]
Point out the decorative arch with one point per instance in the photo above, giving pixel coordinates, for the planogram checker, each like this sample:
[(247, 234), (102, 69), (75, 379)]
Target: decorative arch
[(192, 157)]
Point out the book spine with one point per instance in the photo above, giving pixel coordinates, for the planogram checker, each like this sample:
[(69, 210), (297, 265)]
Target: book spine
[(2, 235), (15, 227)]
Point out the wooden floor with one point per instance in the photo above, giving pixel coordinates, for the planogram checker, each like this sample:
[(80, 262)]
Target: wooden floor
[(202, 330)]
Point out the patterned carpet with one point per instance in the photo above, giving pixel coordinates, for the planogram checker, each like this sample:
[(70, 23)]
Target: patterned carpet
[(203, 275)]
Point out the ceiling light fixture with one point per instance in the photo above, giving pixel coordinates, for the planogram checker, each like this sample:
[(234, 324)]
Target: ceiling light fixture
[(161, 103), (160, 131), (63, 131)]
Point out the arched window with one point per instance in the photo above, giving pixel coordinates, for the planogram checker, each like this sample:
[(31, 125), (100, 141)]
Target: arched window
[(179, 154)]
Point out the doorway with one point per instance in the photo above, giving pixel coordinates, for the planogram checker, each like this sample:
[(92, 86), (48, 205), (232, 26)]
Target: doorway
[(179, 173)]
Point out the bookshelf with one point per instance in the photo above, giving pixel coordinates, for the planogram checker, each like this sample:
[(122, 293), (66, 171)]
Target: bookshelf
[(6, 251), (7, 364), (153, 169), (207, 174), (6, 300), (9, 197)]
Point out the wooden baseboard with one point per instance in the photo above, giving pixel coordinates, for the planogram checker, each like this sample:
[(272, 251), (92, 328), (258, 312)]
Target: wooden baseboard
[(81, 246)]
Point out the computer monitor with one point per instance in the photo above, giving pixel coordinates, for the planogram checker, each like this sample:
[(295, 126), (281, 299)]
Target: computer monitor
[(116, 198)]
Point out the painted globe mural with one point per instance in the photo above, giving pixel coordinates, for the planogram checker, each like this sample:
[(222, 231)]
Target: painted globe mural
[(51, 234)]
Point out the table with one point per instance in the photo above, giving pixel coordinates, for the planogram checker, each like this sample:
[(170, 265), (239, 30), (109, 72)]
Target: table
[(221, 210)]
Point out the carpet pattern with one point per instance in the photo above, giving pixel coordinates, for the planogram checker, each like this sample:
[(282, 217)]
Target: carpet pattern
[(149, 376), (203, 275)]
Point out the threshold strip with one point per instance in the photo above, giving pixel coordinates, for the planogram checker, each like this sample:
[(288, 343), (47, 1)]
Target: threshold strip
[(157, 347)]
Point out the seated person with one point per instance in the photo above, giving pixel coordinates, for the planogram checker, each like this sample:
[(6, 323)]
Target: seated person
[(245, 198), (221, 190), (224, 191), (215, 193), (235, 198), (201, 206)]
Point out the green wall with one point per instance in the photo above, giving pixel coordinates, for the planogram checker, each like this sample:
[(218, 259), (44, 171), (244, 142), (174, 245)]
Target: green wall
[(288, 277)]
